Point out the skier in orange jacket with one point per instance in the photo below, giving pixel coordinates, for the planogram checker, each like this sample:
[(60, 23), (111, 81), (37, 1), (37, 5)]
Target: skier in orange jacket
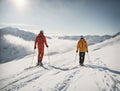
[(40, 41), (82, 47)]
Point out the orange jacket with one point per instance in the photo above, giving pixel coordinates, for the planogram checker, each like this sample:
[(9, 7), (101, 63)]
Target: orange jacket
[(82, 45), (40, 41)]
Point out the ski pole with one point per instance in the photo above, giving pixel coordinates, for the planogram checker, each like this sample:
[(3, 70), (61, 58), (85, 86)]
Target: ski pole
[(75, 57), (33, 57), (88, 56), (48, 56)]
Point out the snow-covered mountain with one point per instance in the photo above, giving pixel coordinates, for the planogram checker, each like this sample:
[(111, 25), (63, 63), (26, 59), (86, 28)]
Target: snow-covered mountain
[(14, 43), (62, 72), (117, 34), (25, 35), (91, 39)]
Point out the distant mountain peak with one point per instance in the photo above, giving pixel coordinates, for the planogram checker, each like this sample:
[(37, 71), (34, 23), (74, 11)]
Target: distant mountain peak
[(26, 35), (116, 34)]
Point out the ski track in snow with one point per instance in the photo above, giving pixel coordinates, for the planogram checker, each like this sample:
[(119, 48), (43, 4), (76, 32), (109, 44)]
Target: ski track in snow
[(62, 86), (14, 84), (109, 76), (24, 78), (28, 76)]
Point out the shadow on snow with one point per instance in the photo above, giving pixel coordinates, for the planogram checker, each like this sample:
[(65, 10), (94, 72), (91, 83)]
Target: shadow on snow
[(104, 68)]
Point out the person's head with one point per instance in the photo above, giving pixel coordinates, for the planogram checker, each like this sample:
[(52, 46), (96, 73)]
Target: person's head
[(81, 36), (41, 31)]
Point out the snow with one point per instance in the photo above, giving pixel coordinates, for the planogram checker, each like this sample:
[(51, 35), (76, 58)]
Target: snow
[(62, 71), (10, 49), (13, 42), (109, 54)]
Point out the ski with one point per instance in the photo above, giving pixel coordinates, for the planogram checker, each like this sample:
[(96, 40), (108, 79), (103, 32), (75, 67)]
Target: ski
[(31, 67), (35, 67), (43, 67)]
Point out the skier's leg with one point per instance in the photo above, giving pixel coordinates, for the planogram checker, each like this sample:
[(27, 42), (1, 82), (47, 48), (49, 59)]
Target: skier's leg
[(83, 57), (41, 57), (80, 56)]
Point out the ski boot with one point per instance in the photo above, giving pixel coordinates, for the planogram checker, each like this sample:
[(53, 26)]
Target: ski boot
[(40, 63), (81, 64)]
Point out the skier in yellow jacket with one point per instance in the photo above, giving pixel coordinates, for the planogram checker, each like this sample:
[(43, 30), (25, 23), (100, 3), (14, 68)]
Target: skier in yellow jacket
[(82, 47)]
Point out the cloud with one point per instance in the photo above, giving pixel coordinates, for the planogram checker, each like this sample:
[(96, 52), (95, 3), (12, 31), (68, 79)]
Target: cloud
[(26, 27), (17, 25)]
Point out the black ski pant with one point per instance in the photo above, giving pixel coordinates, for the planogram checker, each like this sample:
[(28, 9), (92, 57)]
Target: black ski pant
[(81, 57)]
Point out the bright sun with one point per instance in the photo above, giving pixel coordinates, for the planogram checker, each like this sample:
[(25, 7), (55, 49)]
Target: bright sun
[(20, 4)]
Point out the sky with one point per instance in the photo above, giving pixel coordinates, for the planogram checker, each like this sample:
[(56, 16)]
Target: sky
[(78, 17)]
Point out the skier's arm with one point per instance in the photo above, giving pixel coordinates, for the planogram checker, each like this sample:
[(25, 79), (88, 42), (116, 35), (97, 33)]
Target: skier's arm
[(45, 41), (77, 46), (86, 46)]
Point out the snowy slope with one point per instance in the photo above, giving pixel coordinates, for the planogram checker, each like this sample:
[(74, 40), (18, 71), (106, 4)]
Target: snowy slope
[(62, 72)]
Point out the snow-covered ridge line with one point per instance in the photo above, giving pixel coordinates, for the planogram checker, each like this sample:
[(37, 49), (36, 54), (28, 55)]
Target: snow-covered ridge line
[(91, 39), (25, 35), (112, 41)]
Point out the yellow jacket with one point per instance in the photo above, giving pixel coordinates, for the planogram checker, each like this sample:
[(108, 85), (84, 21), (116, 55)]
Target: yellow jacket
[(82, 45)]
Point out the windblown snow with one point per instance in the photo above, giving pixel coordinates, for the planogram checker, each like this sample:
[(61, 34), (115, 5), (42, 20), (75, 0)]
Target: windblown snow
[(12, 43), (61, 70)]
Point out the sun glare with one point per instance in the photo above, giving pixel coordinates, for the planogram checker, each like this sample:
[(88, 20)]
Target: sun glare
[(20, 4)]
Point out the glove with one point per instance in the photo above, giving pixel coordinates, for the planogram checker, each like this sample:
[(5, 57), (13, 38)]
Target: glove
[(87, 51), (34, 47), (46, 45), (76, 51)]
